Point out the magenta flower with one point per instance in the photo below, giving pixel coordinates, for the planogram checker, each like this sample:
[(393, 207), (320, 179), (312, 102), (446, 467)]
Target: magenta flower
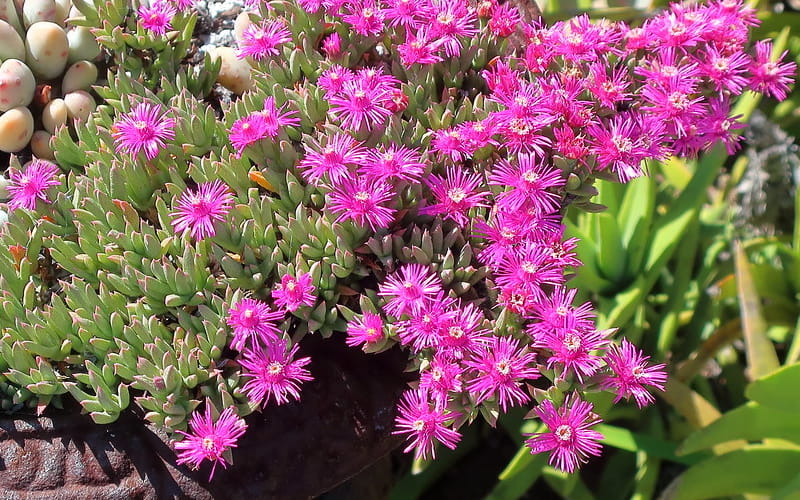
[(276, 118), (273, 372), (332, 80), (145, 128), (425, 425), (366, 329), (771, 78), (32, 184), (574, 349), (253, 321), (463, 332), (409, 289), (332, 45), (419, 48), (364, 201), (294, 292), (366, 17), (504, 19), (247, 131), (197, 210), (531, 182), (157, 17), (424, 328), (262, 40), (393, 162), (501, 366), (442, 377), (630, 373), (361, 102), (569, 437), (456, 193), (333, 160), (209, 440)]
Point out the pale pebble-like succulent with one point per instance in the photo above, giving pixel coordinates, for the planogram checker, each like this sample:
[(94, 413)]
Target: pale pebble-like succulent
[(17, 84), (16, 129), (46, 49)]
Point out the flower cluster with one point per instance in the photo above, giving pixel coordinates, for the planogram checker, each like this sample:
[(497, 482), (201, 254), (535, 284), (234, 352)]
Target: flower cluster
[(388, 178)]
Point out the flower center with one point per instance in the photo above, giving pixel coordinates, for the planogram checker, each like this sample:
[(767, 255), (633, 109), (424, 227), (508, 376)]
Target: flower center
[(530, 176), (274, 368), (638, 372), (437, 374), (679, 101), (503, 367), (209, 444), (362, 196), (455, 332), (418, 425), (457, 195), (529, 267), (572, 342), (291, 286), (623, 144), (564, 432)]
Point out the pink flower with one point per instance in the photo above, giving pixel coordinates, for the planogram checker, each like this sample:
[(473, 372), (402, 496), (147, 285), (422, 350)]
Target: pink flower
[(618, 145), (531, 183), (277, 118), (366, 17), (504, 19), (364, 201), (293, 293), (450, 20), (197, 210), (573, 348), (631, 373), (501, 366), (157, 17), (332, 160), (209, 440), (253, 322), (456, 193), (425, 425), (771, 78), (442, 377), (424, 327), (530, 266), (569, 437), (332, 45), (332, 80), (360, 102), (144, 128), (463, 332), (247, 131), (419, 48), (366, 329), (393, 162), (261, 40), (273, 372), (409, 289), (32, 184)]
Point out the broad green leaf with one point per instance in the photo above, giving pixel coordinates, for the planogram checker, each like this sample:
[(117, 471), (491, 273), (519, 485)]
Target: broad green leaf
[(778, 389), (751, 422), (612, 255), (635, 217), (624, 439), (756, 469), (520, 474), (761, 357), (789, 491)]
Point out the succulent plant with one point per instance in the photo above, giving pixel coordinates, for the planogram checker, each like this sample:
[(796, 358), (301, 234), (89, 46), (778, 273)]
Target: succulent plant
[(390, 185)]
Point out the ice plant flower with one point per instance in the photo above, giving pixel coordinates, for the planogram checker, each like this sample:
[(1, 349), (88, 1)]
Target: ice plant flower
[(569, 438), (32, 184), (366, 329), (145, 128), (209, 440), (630, 373), (262, 40), (363, 201), (294, 292), (273, 372), (253, 321), (157, 16), (409, 289), (456, 193), (247, 131), (197, 210), (425, 424), (501, 366)]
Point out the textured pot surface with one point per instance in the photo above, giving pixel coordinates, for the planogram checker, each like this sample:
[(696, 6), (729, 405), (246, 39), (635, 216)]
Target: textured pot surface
[(298, 450)]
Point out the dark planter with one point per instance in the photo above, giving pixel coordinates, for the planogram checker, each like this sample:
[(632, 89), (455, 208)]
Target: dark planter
[(342, 425)]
